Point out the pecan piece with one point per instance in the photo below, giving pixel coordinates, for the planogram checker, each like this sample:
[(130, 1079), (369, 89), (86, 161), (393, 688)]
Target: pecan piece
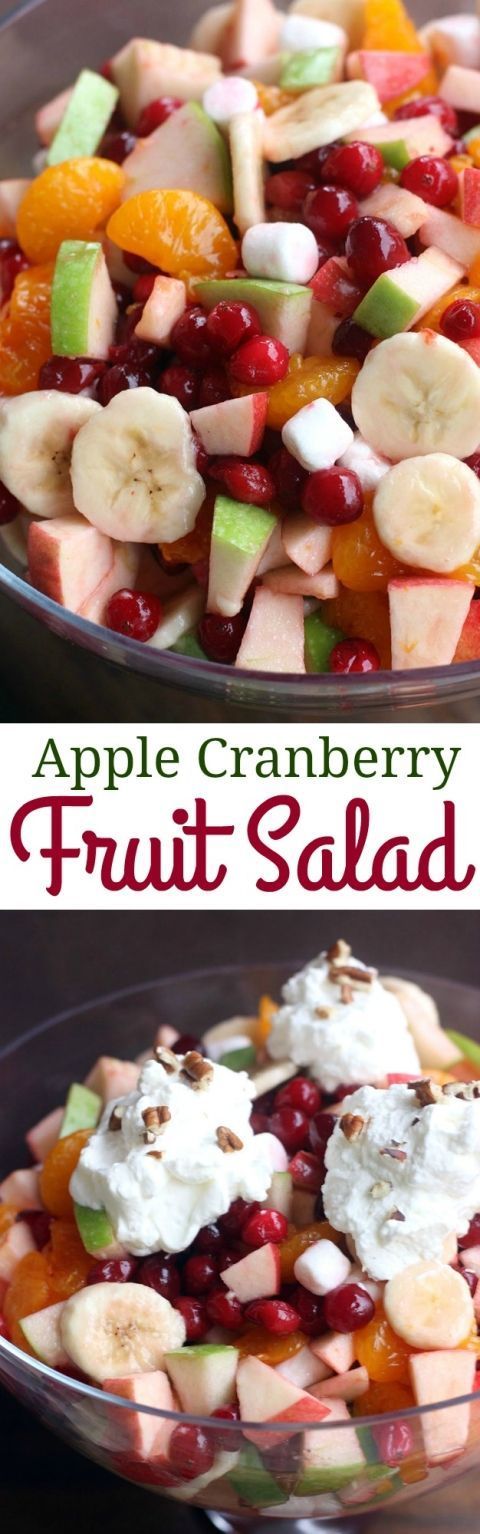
[(166, 1058), (115, 1121), (338, 952), (154, 1120), (196, 1071), (352, 1125), (227, 1140), (396, 1215), (395, 1151), (426, 1092)]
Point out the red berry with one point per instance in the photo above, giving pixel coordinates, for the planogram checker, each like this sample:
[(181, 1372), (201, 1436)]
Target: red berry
[(228, 1255), (474, 463), (230, 323), (200, 1274), (289, 478), (263, 360), (221, 637), (70, 374), (394, 1441), (214, 386), (291, 1127), (116, 145), (224, 1309), (427, 105), (144, 1472), (228, 1441), (432, 179), (12, 262), (120, 377), (300, 1093), (134, 613), (287, 189), (275, 1315), (244, 481), (159, 1272), (472, 1235), (348, 1308), (333, 496), (194, 1315), (39, 1224), (189, 337), (354, 655), (310, 1310), (461, 321), (156, 113), (190, 1451), (138, 264), (471, 1279), (9, 506), (306, 1171), (232, 1222), (115, 1270), (4, 1329), (359, 167), (259, 1123), (209, 1239), (182, 382), (265, 1225), (185, 1042), (313, 162), (319, 1131), (144, 287), (373, 246), (349, 340), (201, 457), (329, 211)]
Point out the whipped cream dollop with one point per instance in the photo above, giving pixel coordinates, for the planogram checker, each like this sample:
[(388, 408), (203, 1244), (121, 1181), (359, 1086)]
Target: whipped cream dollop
[(403, 1172), (171, 1157), (340, 1022)]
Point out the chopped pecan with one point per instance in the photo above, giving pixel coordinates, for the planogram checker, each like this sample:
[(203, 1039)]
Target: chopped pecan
[(468, 1092), (395, 1151), (426, 1092), (396, 1215), (166, 1058), (338, 952), (323, 1012), (358, 976), (195, 1070), (154, 1120), (379, 1189), (157, 1155), (352, 1125), (227, 1140), (115, 1120), (346, 994)]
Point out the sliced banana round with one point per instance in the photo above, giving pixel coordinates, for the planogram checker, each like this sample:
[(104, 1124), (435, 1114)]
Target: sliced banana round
[(109, 1330), (418, 393), (434, 1048), (37, 433), (427, 512), (133, 469), (317, 117), (429, 1305)]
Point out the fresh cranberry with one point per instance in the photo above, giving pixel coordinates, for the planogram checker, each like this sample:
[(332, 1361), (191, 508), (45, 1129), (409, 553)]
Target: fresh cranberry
[(157, 113), (186, 1042), (289, 478), (461, 321), (314, 161), (233, 1221), (354, 655), (194, 1315), (329, 211), (311, 1311), (359, 167), (228, 1255), (287, 189), (159, 1272), (291, 1127), (115, 1270), (319, 1210), (262, 360), (349, 340), (472, 1235), (12, 262), (276, 1316), (138, 264), (471, 1279), (230, 323), (244, 481), (259, 1123), (227, 1441), (319, 1131), (394, 1441), (134, 613), (221, 637), (201, 456), (300, 1093), (70, 374), (126, 333), (432, 179), (4, 1332), (190, 1451), (373, 246), (189, 337), (39, 1224), (182, 382), (106, 70), (306, 1171), (200, 1273), (426, 106), (120, 377), (333, 496), (214, 386), (123, 296), (144, 287), (224, 1309), (348, 1308), (345, 1090), (154, 1472), (265, 1225), (9, 506), (117, 144), (209, 1239)]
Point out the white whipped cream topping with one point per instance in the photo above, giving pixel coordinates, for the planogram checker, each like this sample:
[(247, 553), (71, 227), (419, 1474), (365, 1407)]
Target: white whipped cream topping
[(436, 1187), (161, 1204), (358, 1040)]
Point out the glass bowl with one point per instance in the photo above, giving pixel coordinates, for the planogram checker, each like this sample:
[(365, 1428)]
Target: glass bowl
[(245, 1484), (61, 667)]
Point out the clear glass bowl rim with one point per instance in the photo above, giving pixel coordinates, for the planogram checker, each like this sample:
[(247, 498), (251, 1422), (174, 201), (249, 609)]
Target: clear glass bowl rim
[(90, 1392)]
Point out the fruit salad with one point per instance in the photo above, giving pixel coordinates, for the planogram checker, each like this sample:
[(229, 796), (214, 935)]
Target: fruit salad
[(269, 1231), (240, 341)]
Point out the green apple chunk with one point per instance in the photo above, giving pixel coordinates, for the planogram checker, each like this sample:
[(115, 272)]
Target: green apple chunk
[(254, 1483), (188, 644), (203, 1377), (84, 307), (240, 1059), (386, 309), (315, 66), (186, 151), (240, 534), (283, 307), (95, 1230), (320, 639), (83, 124), (469, 1050), (42, 1332), (82, 1110)]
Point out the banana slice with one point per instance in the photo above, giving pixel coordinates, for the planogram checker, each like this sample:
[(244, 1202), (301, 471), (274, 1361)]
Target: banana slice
[(37, 432), (246, 149), (133, 469), (317, 117), (434, 1048), (418, 393), (429, 1305), (109, 1330), (427, 512)]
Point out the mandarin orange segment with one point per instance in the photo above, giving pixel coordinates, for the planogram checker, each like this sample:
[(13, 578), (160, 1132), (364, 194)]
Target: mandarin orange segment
[(259, 1343), (431, 320), (29, 1291), (384, 1355), (388, 26), (196, 545), (266, 1012), (67, 202), (57, 1171), (271, 98), (360, 561), (362, 615), (295, 1245), (177, 231), (382, 1398), (8, 1215), (25, 338), (312, 378), (68, 1262)]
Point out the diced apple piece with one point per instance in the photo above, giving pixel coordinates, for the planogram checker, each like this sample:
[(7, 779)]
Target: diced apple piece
[(253, 1482), (49, 117), (208, 32), (345, 1387), (42, 1332), (414, 136), (448, 233), (124, 571), (68, 558), (223, 1465), (398, 299), (468, 647), (470, 1258), (391, 74), (203, 1377), (306, 543), (265, 1396), (274, 555), (255, 1276), (148, 1437), (232, 426), (295, 582), (84, 309), (304, 1370), (335, 1350), (240, 535), (283, 308), (469, 196), (452, 40), (11, 195), (403, 209), (251, 32), (274, 636), (461, 89), (434, 1048), (330, 1460), (85, 119), (426, 620), (82, 1110), (280, 1194), (185, 151), (44, 1135), (96, 1232), (440, 1376), (335, 285), (145, 70), (180, 615), (166, 304), (22, 1189), (321, 330), (15, 1244), (303, 1207)]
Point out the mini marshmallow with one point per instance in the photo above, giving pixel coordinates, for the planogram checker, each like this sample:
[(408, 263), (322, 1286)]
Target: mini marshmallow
[(365, 462), (284, 252), (317, 436), (322, 1268), (453, 40), (227, 97), (301, 32)]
